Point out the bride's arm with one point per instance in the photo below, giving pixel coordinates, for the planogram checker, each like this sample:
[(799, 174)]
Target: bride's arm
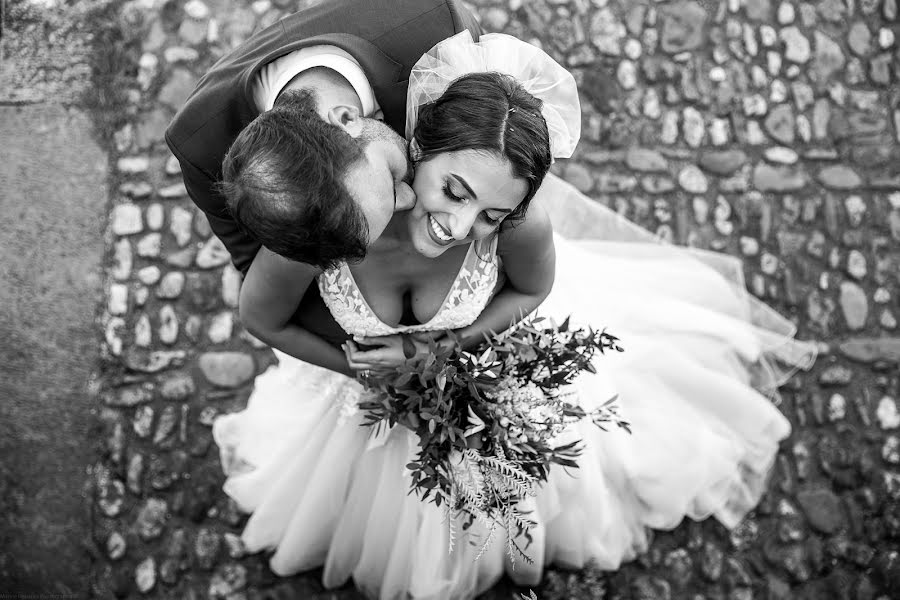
[(270, 294), (529, 261)]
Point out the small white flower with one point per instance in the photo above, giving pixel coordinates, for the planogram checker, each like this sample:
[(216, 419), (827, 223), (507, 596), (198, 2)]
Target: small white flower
[(475, 424), (542, 413)]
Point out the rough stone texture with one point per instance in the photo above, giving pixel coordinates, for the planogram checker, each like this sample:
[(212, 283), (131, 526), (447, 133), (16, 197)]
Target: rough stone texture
[(36, 67), (52, 248), (227, 369), (765, 129)]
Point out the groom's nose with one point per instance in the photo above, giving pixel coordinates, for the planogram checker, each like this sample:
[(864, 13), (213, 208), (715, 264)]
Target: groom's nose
[(406, 197)]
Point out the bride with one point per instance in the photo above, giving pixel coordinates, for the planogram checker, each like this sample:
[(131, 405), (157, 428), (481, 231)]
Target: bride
[(493, 237)]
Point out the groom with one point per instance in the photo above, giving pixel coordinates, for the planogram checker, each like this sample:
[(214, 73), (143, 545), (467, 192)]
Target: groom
[(352, 58)]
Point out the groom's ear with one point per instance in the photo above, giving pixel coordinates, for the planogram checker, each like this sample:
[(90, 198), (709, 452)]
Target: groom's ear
[(347, 118)]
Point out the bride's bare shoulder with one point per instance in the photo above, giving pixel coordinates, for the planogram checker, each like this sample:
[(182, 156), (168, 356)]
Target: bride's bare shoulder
[(533, 229)]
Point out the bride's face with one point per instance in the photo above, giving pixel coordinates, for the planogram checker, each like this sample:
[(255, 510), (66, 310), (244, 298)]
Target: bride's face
[(461, 197)]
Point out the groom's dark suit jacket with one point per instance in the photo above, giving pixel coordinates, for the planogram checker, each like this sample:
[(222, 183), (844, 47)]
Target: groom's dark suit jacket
[(386, 37)]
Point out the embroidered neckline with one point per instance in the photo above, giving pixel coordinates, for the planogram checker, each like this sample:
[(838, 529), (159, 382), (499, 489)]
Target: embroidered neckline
[(368, 307), (469, 293)]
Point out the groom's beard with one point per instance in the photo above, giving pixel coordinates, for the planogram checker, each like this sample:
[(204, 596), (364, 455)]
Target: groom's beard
[(375, 130)]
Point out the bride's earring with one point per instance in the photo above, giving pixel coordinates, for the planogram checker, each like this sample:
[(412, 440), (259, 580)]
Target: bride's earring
[(415, 151)]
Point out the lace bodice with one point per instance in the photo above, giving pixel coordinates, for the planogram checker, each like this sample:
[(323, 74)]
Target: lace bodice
[(471, 291)]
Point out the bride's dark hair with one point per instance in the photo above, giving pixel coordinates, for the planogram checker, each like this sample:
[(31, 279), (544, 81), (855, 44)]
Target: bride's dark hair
[(490, 112)]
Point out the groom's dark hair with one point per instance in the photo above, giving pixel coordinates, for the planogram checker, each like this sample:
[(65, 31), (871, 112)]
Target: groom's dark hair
[(283, 182)]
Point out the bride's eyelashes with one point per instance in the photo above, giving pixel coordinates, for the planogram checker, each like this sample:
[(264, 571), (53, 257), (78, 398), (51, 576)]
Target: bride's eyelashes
[(448, 192)]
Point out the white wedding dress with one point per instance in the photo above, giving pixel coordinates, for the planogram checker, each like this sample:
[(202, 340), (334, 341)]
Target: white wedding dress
[(701, 364)]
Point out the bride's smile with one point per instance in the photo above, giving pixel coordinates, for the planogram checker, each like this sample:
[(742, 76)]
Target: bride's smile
[(440, 234)]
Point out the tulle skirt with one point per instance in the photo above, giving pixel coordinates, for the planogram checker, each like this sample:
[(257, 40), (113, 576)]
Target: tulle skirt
[(696, 381)]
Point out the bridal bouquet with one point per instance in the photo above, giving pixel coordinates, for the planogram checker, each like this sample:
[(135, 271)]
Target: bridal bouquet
[(489, 420)]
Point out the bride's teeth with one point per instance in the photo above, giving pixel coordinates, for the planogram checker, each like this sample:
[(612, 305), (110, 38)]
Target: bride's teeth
[(438, 231)]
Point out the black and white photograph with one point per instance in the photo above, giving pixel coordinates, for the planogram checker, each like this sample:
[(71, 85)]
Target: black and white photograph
[(450, 300)]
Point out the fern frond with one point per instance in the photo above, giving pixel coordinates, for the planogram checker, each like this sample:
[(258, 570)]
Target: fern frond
[(507, 467), (449, 510), (512, 548), (490, 538), (470, 480), (511, 474), (520, 520)]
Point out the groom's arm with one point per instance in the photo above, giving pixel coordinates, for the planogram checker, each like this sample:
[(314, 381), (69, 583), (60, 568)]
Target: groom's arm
[(202, 189), (271, 292)]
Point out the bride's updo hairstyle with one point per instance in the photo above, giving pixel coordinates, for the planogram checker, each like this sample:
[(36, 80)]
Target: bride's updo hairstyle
[(488, 112)]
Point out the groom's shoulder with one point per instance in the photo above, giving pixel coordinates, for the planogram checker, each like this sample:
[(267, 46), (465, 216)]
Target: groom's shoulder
[(373, 19), (403, 30), (220, 106)]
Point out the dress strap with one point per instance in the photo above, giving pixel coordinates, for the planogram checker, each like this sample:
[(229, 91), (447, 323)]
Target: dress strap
[(486, 250)]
